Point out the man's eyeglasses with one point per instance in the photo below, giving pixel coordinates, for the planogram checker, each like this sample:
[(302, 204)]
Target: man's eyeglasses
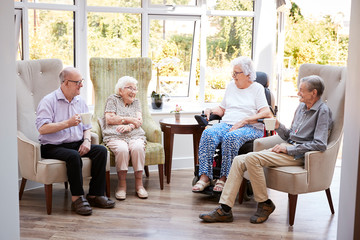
[(77, 82), (234, 74), (132, 89)]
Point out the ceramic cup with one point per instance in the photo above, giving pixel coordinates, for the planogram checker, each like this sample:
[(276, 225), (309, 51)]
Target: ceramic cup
[(86, 118), (269, 123)]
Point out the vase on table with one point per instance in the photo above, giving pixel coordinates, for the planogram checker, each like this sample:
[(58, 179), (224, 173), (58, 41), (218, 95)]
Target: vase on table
[(177, 116)]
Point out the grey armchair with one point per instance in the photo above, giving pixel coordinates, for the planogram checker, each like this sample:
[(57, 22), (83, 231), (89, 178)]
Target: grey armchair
[(36, 78)]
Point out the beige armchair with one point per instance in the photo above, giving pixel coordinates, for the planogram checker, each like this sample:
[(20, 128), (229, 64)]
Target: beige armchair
[(36, 78), (317, 173), (104, 74)]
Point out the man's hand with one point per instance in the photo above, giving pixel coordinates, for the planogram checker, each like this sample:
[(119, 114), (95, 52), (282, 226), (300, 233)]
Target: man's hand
[(74, 120), (279, 148), (84, 148)]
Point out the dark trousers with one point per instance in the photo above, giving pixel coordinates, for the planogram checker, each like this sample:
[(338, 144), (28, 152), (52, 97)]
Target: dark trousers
[(68, 152)]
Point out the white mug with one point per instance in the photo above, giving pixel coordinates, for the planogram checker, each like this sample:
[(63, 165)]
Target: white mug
[(269, 123), (86, 118)]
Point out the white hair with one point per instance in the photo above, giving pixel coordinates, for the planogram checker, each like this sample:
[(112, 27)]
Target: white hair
[(123, 81), (246, 65)]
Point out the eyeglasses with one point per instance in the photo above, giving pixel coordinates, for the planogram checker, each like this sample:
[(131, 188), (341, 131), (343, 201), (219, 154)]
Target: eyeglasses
[(77, 82), (132, 89), (234, 74)]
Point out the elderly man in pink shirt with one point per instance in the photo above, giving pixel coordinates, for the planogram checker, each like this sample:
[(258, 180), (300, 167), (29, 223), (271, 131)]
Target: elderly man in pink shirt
[(63, 136)]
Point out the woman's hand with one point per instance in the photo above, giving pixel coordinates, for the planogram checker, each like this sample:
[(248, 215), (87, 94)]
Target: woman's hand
[(239, 124), (124, 128)]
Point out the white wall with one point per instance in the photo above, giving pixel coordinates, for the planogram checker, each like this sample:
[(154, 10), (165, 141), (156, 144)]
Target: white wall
[(349, 167), (9, 207), (265, 36)]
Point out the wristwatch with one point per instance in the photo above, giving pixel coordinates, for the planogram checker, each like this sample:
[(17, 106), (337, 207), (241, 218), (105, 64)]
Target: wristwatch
[(87, 139)]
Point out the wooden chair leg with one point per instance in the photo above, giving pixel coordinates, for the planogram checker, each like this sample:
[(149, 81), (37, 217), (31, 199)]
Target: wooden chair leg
[(161, 175), (242, 191), (66, 184), (107, 176), (22, 187), (48, 196), (328, 194), (146, 168), (292, 208)]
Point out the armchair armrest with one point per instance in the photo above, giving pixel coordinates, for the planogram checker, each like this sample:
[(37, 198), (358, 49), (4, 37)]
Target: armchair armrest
[(266, 142), (153, 131), (94, 138), (28, 156), (321, 166), (97, 131)]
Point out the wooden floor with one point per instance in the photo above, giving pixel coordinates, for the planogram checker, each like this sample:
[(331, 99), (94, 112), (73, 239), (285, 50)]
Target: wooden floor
[(173, 214)]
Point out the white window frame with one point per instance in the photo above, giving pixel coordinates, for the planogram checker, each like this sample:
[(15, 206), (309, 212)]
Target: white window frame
[(80, 9)]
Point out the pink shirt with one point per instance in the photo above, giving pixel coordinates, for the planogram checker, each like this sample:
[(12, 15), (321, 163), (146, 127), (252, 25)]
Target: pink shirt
[(54, 108)]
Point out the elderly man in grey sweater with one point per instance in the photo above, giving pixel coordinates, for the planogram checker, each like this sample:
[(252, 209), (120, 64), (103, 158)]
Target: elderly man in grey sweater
[(309, 132)]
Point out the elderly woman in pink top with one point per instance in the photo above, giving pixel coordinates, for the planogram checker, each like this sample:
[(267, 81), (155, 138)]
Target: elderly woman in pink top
[(123, 134)]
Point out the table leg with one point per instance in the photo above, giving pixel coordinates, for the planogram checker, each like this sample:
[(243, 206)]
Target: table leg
[(196, 142), (168, 148)]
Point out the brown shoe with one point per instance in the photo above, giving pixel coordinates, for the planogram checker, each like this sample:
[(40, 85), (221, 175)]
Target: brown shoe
[(217, 215), (100, 202), (81, 206), (263, 212)]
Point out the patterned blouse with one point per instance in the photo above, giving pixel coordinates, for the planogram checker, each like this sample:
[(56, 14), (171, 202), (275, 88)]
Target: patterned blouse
[(115, 104)]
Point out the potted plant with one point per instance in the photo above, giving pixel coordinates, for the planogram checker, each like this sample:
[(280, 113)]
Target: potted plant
[(157, 100), (177, 111)]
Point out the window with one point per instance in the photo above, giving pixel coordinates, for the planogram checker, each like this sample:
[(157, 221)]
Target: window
[(171, 45), (115, 3), (115, 35), (51, 35), (190, 42), (228, 38)]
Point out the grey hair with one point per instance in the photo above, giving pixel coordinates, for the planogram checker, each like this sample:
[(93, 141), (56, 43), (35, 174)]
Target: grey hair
[(246, 65), (314, 82), (123, 81), (66, 72)]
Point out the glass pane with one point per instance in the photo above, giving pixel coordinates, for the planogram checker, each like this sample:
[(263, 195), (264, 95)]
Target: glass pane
[(19, 50), (115, 3), (174, 2), (231, 5), (53, 1), (170, 51), (51, 35), (228, 38), (114, 35)]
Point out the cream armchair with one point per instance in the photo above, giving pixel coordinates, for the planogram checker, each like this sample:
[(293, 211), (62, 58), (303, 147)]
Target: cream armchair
[(317, 173), (36, 78), (104, 74)]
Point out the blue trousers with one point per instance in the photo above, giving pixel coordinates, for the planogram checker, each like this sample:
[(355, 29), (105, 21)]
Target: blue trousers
[(230, 145)]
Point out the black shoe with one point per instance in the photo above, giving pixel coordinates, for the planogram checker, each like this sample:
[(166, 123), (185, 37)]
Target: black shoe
[(81, 206), (263, 211), (100, 202), (201, 120), (217, 215)]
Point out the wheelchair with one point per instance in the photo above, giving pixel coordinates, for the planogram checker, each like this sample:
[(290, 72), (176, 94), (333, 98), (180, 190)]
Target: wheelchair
[(247, 147)]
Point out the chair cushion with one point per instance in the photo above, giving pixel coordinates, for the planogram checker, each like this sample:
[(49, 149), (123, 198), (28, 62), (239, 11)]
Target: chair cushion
[(290, 179), (54, 171)]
